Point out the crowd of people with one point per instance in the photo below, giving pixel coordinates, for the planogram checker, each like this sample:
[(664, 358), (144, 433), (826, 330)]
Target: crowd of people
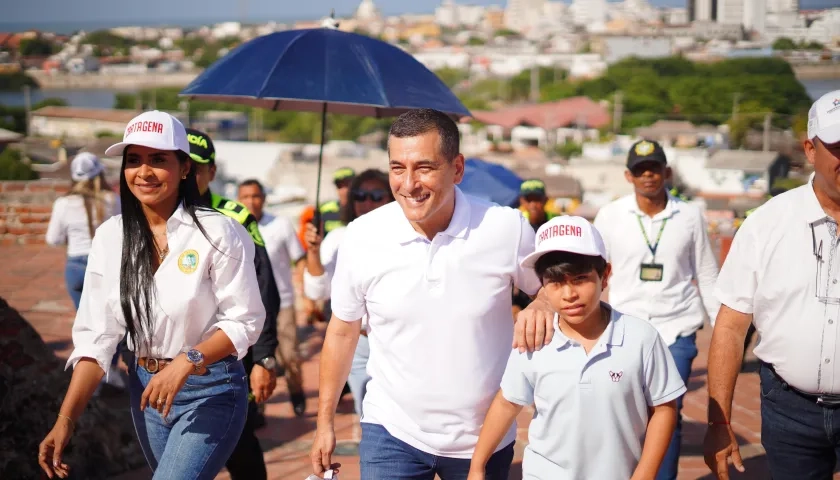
[(447, 315)]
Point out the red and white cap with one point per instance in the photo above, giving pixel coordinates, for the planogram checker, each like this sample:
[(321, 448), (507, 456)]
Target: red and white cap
[(567, 233), (153, 129), (824, 118)]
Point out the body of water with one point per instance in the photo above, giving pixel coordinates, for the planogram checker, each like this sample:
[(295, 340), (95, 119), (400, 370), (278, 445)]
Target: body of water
[(103, 98)]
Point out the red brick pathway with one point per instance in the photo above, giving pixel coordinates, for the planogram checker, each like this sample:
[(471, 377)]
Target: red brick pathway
[(32, 281)]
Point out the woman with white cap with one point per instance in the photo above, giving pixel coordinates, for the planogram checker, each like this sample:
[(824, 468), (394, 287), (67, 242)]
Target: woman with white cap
[(76, 216), (189, 316)]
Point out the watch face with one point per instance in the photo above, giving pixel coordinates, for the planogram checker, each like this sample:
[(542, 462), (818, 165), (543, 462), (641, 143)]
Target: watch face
[(195, 357), (269, 363)]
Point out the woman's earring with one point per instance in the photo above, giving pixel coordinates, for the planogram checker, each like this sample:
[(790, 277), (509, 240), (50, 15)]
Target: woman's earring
[(183, 177)]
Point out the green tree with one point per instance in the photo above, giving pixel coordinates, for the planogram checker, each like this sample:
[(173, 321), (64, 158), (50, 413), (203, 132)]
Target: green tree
[(452, 76), (12, 166), (784, 43), (750, 115), (36, 47)]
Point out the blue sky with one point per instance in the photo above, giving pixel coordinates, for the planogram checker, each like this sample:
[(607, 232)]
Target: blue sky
[(175, 11)]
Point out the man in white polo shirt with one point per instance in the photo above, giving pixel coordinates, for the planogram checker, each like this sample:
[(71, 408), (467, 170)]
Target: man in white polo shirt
[(658, 245), (781, 275), (433, 271)]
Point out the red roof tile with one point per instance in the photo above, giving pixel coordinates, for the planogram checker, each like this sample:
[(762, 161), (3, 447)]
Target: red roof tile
[(564, 113)]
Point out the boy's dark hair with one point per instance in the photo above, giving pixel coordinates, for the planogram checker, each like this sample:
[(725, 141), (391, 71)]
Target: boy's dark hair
[(252, 182), (558, 266)]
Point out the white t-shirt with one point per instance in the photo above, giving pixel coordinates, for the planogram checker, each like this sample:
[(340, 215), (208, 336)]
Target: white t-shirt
[(440, 318), (69, 222), (201, 287), (284, 250), (596, 402)]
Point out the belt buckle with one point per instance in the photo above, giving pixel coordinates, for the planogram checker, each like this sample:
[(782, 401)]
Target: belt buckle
[(149, 365)]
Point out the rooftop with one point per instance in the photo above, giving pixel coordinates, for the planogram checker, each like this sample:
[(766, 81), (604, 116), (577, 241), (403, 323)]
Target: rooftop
[(568, 112)]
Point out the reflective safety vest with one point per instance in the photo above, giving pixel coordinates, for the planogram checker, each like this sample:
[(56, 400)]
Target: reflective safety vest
[(548, 216), (238, 212)]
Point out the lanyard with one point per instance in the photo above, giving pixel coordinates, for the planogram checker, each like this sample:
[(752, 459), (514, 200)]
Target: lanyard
[(658, 236)]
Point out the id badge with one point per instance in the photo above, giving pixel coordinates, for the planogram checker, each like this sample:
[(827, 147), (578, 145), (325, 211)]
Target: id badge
[(651, 272)]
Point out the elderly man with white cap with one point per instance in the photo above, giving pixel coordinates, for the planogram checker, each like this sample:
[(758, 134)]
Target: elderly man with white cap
[(781, 275)]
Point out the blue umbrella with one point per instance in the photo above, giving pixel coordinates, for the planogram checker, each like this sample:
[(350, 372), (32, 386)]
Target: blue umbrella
[(324, 70), (491, 181)]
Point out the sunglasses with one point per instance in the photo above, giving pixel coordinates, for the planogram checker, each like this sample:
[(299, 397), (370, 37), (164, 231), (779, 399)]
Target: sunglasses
[(372, 195)]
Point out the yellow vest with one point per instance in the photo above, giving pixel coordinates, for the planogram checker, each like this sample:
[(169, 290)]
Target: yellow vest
[(238, 212)]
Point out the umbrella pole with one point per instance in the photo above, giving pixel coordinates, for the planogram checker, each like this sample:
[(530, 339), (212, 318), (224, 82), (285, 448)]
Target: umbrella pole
[(317, 217)]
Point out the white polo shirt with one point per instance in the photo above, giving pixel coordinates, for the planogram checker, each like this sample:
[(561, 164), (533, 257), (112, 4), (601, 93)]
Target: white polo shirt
[(591, 403), (283, 247), (771, 272), (674, 305), (440, 318)]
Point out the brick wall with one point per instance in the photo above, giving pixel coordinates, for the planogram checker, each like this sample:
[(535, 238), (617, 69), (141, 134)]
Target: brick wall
[(25, 208)]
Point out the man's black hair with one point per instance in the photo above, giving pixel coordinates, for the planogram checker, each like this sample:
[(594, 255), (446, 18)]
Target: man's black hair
[(560, 266), (252, 182), (416, 122)]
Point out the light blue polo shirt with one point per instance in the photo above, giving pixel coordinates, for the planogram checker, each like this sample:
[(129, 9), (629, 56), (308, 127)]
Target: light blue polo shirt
[(591, 410)]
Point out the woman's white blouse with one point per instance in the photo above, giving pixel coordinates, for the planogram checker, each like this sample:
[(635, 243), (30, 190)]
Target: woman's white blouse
[(199, 289)]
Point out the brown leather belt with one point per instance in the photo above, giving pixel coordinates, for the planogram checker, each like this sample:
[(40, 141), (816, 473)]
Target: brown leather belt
[(153, 365)]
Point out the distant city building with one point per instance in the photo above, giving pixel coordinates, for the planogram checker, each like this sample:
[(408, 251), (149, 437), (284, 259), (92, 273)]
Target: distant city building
[(702, 10), (730, 12), (618, 47), (523, 14), (755, 15), (367, 11), (783, 5)]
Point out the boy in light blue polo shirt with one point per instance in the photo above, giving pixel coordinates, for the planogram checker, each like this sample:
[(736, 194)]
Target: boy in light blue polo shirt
[(604, 389)]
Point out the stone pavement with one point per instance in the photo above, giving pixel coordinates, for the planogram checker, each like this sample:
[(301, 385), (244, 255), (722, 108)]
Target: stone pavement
[(32, 281)]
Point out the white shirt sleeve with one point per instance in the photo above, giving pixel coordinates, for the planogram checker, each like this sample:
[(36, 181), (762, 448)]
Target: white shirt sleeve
[(601, 225), (705, 268), (662, 379), (525, 278), (516, 386), (347, 298), (738, 278), (241, 313), (57, 230), (293, 245), (96, 330), (318, 288)]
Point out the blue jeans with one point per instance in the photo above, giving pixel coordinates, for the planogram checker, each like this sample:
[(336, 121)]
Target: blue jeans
[(384, 457), (202, 428), (801, 438), (359, 378), (684, 350), (74, 277)]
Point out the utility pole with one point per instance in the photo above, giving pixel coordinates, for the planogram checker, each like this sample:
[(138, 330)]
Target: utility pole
[(766, 143), (535, 82), (27, 103), (618, 107)]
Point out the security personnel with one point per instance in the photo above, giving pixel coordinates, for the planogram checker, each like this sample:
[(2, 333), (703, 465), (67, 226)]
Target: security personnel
[(532, 200), (331, 211), (247, 461)]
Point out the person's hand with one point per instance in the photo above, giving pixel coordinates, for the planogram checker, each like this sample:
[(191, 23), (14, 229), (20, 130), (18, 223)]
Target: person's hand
[(720, 444), (263, 382), (322, 450), (165, 384), (475, 474), (534, 327), (50, 450), (312, 238)]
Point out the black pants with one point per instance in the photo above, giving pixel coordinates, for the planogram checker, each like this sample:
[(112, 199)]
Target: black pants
[(246, 462)]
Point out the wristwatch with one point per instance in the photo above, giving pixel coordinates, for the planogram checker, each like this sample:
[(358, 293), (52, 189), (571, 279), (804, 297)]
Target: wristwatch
[(269, 363), (196, 358)]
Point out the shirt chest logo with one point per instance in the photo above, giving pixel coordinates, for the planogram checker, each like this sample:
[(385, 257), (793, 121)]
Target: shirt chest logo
[(188, 261), (616, 376)]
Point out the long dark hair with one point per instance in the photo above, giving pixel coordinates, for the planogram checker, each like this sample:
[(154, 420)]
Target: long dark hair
[(137, 267), (348, 213)]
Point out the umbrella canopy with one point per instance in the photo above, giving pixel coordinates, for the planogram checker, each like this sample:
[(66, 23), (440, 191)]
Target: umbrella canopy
[(491, 181), (324, 70)]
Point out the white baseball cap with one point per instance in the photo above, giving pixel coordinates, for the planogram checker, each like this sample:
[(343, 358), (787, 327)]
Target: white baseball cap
[(824, 118), (567, 233), (154, 129), (85, 166)]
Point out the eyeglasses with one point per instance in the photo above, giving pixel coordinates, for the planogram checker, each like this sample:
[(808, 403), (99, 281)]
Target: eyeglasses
[(818, 254), (373, 195)]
